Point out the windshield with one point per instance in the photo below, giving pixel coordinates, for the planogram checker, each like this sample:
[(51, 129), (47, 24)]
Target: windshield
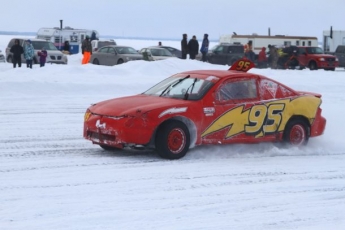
[(314, 50), (181, 87), (125, 50), (38, 45), (160, 52)]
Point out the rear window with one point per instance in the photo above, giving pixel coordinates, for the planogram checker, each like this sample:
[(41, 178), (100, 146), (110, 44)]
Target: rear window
[(105, 43), (38, 45), (236, 49)]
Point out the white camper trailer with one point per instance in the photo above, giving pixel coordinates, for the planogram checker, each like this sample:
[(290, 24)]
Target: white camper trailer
[(59, 36), (332, 39), (260, 41)]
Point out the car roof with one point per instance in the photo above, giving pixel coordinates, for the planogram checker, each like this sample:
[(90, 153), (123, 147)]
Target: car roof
[(32, 39), (230, 44), (116, 46), (223, 74)]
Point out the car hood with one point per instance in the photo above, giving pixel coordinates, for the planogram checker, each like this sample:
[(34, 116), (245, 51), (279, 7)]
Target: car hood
[(323, 55), (130, 105), (162, 57)]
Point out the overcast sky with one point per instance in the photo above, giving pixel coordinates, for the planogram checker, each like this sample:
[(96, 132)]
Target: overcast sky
[(172, 18)]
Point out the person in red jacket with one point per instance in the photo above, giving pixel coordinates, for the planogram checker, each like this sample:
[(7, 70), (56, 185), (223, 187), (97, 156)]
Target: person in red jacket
[(262, 59)]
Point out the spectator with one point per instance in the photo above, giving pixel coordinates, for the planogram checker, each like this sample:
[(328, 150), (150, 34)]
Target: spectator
[(204, 47), (29, 53), (93, 36), (66, 48), (248, 51), (43, 56), (262, 59), (184, 46), (86, 50), (159, 43), (193, 47), (17, 50), (274, 57)]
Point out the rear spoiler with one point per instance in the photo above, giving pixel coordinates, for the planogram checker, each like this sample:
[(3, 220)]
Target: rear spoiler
[(243, 65), (309, 93)]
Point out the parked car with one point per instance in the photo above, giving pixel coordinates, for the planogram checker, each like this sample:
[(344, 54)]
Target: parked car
[(314, 58), (2, 57), (176, 52), (206, 107), (54, 55), (340, 54), (114, 55), (225, 53), (155, 53), (97, 44)]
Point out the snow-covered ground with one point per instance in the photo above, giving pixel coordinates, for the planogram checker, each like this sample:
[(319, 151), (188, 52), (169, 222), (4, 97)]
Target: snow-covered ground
[(51, 178)]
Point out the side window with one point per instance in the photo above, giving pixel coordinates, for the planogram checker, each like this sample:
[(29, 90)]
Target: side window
[(103, 50), (111, 51), (237, 90), (11, 43)]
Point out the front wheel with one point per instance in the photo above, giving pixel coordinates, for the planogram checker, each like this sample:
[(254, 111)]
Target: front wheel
[(95, 61), (172, 140), (312, 65), (296, 132), (120, 61)]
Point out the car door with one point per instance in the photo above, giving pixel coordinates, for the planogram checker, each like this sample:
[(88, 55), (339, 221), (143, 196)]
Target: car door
[(102, 56), (341, 56), (302, 56), (235, 116), (219, 56), (112, 56)]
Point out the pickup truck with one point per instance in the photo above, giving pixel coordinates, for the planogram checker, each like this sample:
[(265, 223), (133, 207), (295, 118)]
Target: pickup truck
[(340, 54), (314, 58)]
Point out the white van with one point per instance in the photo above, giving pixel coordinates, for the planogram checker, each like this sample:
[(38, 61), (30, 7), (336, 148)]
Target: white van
[(54, 55)]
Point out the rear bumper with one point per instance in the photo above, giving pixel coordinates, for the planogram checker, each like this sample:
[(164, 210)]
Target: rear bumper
[(319, 125)]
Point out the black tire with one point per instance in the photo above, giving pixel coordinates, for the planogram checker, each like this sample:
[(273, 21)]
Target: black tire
[(296, 132), (172, 140), (10, 59), (120, 61), (95, 61), (331, 69), (312, 65), (109, 148)]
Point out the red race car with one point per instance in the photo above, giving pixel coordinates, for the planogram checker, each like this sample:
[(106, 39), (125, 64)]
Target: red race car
[(206, 107)]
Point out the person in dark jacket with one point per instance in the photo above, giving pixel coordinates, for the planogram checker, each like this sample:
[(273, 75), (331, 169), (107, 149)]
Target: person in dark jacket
[(184, 46), (86, 50), (43, 56), (193, 47), (17, 51), (204, 47), (93, 36), (66, 48)]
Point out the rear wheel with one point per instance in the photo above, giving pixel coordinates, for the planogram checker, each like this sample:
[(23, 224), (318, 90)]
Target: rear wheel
[(95, 61), (172, 140), (296, 132), (10, 59), (312, 65)]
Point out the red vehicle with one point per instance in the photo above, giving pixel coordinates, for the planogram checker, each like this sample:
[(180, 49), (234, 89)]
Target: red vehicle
[(206, 107), (314, 58)]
